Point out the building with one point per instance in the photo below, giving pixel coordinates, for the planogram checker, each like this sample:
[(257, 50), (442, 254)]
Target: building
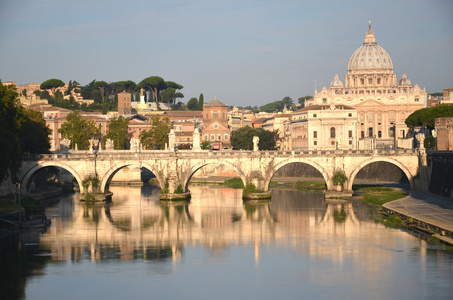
[(448, 96), (371, 88), (238, 118), (184, 123), (329, 127), (54, 118), (444, 131), (215, 125), (124, 103), (280, 123)]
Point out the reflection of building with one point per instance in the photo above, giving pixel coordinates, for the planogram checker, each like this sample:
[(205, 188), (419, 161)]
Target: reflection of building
[(215, 125), (371, 88)]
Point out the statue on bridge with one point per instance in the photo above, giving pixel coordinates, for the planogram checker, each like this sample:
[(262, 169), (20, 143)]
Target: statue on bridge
[(64, 145), (135, 145), (256, 140), (109, 145)]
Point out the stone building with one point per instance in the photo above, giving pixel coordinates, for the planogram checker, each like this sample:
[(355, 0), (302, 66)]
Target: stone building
[(124, 103), (324, 127), (215, 125), (371, 88), (444, 130)]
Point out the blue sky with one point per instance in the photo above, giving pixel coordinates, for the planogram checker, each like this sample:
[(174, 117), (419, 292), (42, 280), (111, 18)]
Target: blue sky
[(245, 52)]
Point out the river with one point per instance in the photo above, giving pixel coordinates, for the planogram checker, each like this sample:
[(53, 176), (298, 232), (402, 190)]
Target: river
[(298, 246)]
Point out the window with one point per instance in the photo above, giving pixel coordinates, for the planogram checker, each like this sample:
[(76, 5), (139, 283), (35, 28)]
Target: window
[(362, 82), (314, 115), (350, 142), (350, 115), (205, 137), (350, 134), (379, 134), (370, 132), (362, 134), (379, 81), (332, 132), (332, 143), (226, 137), (215, 115), (370, 81), (212, 137), (219, 137), (315, 143), (324, 100), (315, 134), (416, 99)]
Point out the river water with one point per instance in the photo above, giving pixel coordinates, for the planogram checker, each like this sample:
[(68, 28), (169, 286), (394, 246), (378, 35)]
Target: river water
[(298, 246)]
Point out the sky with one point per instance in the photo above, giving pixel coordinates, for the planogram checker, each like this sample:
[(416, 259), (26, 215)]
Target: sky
[(244, 52)]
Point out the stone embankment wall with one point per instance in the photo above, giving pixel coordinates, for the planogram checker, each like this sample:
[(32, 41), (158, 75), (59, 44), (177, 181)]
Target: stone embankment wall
[(441, 166)]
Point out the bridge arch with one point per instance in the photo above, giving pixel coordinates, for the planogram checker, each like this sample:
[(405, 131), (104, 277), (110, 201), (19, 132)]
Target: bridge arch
[(110, 173), (313, 164), (403, 168), (28, 176), (186, 179)]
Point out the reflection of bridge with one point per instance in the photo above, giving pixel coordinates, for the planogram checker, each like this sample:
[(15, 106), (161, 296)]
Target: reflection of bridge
[(216, 218), (177, 168)]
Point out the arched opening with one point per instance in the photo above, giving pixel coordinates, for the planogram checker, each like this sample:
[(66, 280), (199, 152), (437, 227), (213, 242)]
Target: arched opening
[(46, 178), (380, 173), (298, 175), (130, 175), (224, 173)]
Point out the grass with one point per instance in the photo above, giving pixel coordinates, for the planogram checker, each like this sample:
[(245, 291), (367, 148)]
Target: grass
[(300, 185), (235, 183), (378, 195), (7, 206)]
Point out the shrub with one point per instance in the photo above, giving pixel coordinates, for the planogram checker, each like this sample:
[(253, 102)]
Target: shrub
[(250, 188), (339, 179)]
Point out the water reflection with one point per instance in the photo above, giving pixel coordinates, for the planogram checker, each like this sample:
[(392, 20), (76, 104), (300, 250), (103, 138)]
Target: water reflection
[(136, 225), (336, 243)]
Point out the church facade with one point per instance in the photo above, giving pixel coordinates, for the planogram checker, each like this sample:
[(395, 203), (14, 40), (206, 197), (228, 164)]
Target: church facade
[(381, 102)]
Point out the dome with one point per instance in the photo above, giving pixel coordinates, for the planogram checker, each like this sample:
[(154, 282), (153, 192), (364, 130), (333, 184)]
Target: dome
[(405, 81), (370, 56), (336, 82)]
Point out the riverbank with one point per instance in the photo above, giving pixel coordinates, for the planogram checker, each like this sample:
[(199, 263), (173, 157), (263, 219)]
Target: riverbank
[(425, 212), (15, 207)]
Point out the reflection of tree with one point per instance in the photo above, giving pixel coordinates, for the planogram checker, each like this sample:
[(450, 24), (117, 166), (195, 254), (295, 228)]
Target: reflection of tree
[(18, 262)]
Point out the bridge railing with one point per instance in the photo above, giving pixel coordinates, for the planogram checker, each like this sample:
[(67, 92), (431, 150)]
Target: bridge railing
[(127, 154)]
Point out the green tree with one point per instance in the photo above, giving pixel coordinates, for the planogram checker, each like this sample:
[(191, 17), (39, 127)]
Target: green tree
[(10, 123), (34, 134), (192, 104), (79, 131), (277, 105), (157, 135), (201, 102), (52, 85), (302, 100), (118, 133), (101, 86), (426, 116), (155, 84), (242, 138)]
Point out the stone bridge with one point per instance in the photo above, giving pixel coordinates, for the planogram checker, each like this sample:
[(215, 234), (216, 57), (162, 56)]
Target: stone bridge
[(175, 169)]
